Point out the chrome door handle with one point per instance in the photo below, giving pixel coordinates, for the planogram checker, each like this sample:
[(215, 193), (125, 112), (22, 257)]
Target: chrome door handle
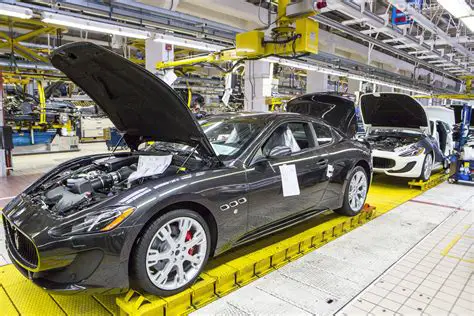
[(322, 162)]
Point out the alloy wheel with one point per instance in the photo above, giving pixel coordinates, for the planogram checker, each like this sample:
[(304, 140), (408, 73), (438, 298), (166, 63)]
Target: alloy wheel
[(176, 253), (427, 168), (357, 190)]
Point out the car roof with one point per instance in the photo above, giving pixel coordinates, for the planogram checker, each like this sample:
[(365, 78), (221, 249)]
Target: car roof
[(264, 116)]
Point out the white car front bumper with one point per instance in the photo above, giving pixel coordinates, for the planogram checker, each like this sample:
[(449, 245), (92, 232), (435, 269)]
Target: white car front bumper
[(392, 164)]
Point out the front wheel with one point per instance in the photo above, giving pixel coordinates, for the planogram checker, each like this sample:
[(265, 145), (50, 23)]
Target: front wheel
[(427, 168), (355, 193), (171, 253)]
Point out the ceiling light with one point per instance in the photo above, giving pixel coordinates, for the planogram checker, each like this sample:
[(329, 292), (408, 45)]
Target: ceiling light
[(457, 8), (189, 43), (93, 26), (15, 11)]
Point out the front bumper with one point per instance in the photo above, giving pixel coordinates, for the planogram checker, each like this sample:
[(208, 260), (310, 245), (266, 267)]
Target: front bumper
[(406, 167), (93, 263)]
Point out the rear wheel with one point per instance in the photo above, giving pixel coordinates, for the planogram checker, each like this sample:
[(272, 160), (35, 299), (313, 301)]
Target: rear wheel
[(427, 168), (355, 193), (171, 253)]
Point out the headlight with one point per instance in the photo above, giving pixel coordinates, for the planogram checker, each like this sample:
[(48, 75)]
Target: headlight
[(100, 221), (410, 151)]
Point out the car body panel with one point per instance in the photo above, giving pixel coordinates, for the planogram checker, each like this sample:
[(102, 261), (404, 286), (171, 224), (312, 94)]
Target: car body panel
[(392, 110), (333, 108), (233, 195), (137, 102), (401, 114)]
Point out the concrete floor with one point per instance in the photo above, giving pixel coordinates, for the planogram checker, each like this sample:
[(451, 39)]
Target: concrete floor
[(343, 276), (416, 259)]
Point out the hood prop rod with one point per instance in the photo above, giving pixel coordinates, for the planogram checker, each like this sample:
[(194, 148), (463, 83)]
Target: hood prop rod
[(187, 158), (118, 143)]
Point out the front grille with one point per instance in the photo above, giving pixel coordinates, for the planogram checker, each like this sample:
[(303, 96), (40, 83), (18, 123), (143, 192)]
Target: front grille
[(20, 246), (383, 163), (407, 168)]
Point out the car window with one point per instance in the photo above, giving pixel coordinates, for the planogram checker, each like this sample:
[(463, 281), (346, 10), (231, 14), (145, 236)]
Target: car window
[(323, 134), (295, 135), (230, 136)]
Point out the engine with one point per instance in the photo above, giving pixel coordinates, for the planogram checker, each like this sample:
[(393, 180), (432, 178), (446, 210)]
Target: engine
[(86, 185), (390, 141)]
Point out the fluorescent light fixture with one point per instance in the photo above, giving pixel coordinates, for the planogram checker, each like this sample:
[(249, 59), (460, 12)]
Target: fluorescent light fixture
[(189, 43), (15, 11), (469, 22), (457, 8), (94, 26), (428, 57), (305, 66), (419, 52)]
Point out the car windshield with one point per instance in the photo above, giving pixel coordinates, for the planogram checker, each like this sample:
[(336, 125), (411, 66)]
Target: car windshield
[(228, 135)]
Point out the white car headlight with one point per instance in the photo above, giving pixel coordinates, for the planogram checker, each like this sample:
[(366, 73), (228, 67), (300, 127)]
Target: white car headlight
[(410, 150)]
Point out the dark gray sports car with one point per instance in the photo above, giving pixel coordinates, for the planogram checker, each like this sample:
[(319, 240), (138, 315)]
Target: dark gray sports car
[(151, 218)]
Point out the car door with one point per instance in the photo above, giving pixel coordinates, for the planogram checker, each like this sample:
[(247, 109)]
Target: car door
[(339, 162), (267, 202)]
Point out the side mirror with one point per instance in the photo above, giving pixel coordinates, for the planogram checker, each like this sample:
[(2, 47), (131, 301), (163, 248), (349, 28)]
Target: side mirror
[(279, 151)]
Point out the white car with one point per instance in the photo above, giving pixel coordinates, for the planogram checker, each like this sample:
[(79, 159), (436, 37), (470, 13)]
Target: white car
[(407, 140)]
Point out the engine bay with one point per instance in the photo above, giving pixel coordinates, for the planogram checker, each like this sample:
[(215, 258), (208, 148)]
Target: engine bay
[(389, 140), (83, 186)]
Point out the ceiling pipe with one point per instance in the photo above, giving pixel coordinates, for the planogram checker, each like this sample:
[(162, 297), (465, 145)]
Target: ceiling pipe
[(356, 11), (346, 29), (26, 65), (430, 26)]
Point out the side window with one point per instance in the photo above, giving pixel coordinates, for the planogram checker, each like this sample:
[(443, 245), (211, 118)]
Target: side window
[(302, 134), (432, 127), (323, 134), (297, 136)]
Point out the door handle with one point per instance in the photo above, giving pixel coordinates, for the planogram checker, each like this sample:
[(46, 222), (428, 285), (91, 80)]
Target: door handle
[(322, 162)]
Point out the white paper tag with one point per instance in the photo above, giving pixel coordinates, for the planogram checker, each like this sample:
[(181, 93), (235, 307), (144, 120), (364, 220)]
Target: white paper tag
[(289, 180), (170, 77), (329, 171), (150, 166)]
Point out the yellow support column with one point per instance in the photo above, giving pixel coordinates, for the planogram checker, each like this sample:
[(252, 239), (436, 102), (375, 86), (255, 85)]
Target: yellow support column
[(42, 100)]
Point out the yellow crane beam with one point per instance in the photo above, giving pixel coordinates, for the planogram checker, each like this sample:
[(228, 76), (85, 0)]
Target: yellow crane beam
[(293, 35), (21, 49), (466, 96)]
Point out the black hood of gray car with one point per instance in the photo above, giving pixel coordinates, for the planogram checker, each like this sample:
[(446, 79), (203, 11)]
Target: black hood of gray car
[(137, 102), (335, 109)]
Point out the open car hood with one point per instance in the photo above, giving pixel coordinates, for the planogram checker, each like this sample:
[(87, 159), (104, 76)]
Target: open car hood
[(335, 109), (392, 110), (137, 102)]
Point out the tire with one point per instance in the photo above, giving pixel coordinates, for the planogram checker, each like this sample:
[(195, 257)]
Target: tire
[(351, 207), (427, 163), (155, 261)]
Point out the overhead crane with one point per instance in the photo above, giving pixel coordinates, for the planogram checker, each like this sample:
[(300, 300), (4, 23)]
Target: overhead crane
[(295, 34)]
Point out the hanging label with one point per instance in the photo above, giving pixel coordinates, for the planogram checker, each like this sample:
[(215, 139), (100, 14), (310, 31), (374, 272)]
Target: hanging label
[(289, 180), (329, 171), (150, 166)]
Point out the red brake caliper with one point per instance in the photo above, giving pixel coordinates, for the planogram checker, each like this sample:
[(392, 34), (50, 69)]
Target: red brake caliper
[(189, 236)]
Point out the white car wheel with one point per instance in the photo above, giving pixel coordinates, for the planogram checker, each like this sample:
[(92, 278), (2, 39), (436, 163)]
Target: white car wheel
[(427, 168)]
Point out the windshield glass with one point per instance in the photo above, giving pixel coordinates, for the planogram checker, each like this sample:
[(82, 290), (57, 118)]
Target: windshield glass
[(229, 136)]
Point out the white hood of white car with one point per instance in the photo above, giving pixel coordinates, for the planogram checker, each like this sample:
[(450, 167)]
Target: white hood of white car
[(394, 110)]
